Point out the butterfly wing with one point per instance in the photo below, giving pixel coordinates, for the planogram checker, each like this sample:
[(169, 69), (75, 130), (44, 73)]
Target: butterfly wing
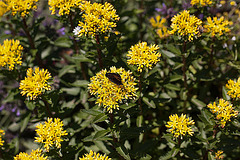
[(115, 78)]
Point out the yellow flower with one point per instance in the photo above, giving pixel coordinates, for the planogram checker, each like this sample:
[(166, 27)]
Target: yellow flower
[(2, 133), (233, 88), (3, 8), (34, 155), (35, 83), (222, 2), (110, 94), (143, 55), (63, 6), (224, 111), (217, 26), (157, 22), (97, 18), (10, 53), (22, 7), (233, 3), (162, 32), (201, 2), (50, 133), (94, 156), (185, 25), (218, 155), (180, 126)]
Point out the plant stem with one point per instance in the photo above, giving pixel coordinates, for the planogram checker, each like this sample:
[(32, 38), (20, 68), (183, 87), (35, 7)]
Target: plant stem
[(140, 95), (47, 108), (184, 72), (99, 52), (31, 42), (76, 48)]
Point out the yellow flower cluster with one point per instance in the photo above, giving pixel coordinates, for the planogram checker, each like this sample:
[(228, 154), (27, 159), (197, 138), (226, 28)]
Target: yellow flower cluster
[(224, 111), (217, 26), (63, 6), (3, 8), (185, 25), (50, 133), (22, 7), (158, 24), (143, 55), (234, 88), (218, 155), (10, 53), (110, 94), (35, 83), (2, 133), (34, 155), (201, 2), (180, 126), (97, 18), (94, 156)]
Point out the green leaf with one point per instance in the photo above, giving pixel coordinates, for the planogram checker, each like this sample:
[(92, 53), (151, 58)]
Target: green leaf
[(168, 54), (80, 83), (198, 103), (81, 58), (30, 105), (63, 42), (93, 112), (139, 121), (100, 134), (172, 87), (175, 78), (71, 91), (150, 104), (65, 70), (173, 49), (127, 106), (123, 153), (224, 93), (24, 122), (100, 117)]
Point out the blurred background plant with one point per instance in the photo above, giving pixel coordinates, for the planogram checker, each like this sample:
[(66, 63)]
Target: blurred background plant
[(120, 79)]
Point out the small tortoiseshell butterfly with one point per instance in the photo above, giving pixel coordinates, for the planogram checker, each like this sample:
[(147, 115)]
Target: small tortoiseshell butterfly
[(115, 78)]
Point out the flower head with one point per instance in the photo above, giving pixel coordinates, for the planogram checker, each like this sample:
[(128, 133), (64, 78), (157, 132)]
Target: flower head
[(201, 3), (218, 155), (10, 53), (34, 155), (185, 25), (224, 111), (2, 133), (216, 27), (233, 88), (22, 7), (143, 55), (97, 18), (180, 126), (108, 93), (35, 83), (63, 6), (50, 133), (94, 156), (159, 24), (3, 8)]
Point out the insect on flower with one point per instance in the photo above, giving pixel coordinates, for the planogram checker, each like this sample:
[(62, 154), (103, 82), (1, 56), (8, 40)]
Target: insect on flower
[(115, 78)]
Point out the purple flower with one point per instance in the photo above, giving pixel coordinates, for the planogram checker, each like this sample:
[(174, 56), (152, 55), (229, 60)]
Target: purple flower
[(186, 5), (61, 31), (168, 12)]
